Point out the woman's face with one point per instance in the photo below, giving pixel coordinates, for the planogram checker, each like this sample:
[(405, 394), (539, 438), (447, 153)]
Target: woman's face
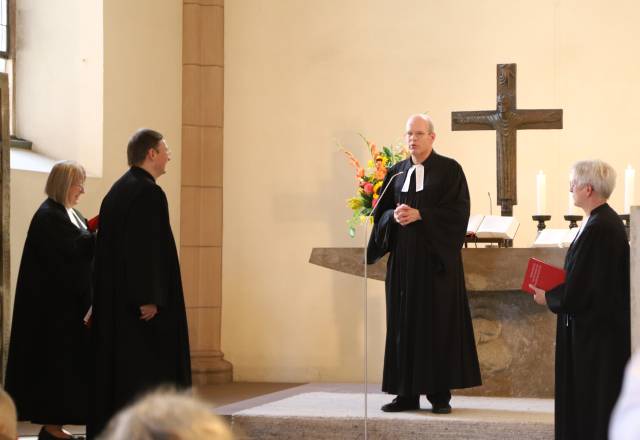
[(75, 191)]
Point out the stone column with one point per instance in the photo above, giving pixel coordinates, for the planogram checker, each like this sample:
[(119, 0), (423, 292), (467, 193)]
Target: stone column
[(201, 197), (635, 278)]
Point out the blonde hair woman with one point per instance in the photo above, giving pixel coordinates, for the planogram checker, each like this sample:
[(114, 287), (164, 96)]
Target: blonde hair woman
[(46, 369)]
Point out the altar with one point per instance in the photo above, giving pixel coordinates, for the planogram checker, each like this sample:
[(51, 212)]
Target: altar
[(515, 337)]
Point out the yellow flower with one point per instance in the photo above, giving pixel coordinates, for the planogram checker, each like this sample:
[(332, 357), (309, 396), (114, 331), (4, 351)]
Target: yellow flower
[(377, 187), (354, 202)]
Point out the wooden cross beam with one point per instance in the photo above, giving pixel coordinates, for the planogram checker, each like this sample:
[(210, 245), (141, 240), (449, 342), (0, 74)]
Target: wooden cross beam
[(506, 120)]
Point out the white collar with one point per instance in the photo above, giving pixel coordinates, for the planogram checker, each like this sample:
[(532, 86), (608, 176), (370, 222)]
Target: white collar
[(419, 169)]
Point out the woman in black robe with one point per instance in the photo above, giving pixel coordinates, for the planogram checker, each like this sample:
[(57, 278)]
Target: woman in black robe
[(47, 364), (593, 329)]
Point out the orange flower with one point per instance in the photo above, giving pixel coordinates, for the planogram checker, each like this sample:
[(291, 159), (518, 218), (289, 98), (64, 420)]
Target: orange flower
[(381, 170), (374, 150), (355, 163)]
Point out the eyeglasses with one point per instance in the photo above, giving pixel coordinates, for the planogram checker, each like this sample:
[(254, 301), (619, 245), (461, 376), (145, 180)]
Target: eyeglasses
[(417, 134), (573, 185)]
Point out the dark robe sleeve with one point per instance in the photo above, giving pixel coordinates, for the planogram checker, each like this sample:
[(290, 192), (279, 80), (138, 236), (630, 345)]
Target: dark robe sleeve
[(146, 265), (586, 276), (384, 225), (60, 241), (446, 223)]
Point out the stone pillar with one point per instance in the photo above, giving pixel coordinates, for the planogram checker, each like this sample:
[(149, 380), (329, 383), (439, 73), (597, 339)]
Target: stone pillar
[(201, 197), (635, 278)]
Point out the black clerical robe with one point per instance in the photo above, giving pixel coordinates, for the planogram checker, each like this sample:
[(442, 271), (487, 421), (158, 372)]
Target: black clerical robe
[(430, 347), (47, 364), (593, 329), (136, 263)]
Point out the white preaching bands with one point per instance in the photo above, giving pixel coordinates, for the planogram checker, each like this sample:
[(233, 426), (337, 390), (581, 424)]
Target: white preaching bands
[(419, 169), (75, 219)]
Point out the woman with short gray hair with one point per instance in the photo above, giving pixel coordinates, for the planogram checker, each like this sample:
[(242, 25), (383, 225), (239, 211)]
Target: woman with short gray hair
[(593, 336)]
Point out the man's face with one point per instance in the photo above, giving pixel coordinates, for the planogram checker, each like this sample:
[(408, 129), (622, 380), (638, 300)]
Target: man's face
[(161, 155), (419, 139)]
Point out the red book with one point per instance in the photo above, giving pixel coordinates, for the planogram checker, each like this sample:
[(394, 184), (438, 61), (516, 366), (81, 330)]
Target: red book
[(92, 224), (542, 275)]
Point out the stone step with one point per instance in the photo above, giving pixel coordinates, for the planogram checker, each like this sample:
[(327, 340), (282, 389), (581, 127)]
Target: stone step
[(339, 415)]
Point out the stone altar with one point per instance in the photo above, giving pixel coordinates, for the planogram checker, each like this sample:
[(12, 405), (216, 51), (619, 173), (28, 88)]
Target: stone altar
[(515, 337)]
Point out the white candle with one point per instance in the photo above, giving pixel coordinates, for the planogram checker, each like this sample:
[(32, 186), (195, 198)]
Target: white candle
[(629, 187), (571, 205), (541, 193)]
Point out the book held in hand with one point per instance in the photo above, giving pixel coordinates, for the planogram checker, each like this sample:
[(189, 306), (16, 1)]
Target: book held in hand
[(542, 275), (492, 226), (92, 224)]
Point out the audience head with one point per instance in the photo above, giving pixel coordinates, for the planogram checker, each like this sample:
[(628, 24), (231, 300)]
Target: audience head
[(148, 150), (8, 417), (599, 175), (167, 415), (65, 183)]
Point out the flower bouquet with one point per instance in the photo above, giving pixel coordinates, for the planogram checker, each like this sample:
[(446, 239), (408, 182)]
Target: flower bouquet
[(370, 180)]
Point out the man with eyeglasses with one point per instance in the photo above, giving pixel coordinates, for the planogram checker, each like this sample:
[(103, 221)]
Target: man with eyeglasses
[(422, 221), (139, 324)]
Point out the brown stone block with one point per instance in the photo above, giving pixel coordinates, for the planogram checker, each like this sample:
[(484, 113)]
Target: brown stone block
[(191, 95), (189, 269), (211, 217), (190, 216), (201, 275), (206, 2), (212, 36), (191, 34), (192, 166), (204, 328), (212, 96), (212, 157), (210, 276), (209, 367)]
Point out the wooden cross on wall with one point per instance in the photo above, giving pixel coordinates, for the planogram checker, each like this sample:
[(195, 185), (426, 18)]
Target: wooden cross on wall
[(506, 120)]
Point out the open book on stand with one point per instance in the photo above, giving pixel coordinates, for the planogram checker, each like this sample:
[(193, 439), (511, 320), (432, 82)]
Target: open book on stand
[(492, 226), (555, 237)]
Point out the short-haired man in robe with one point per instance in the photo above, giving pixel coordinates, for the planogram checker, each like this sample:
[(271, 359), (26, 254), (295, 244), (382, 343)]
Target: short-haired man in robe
[(139, 328), (422, 221)]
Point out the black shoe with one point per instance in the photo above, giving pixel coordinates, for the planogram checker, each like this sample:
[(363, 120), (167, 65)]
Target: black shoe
[(46, 435), (402, 403), (441, 408)]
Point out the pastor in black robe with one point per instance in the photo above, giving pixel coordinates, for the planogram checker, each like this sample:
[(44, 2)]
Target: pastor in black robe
[(593, 329), (430, 347), (48, 351), (136, 264)]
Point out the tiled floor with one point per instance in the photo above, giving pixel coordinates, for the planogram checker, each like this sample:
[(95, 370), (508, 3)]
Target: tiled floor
[(218, 395)]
